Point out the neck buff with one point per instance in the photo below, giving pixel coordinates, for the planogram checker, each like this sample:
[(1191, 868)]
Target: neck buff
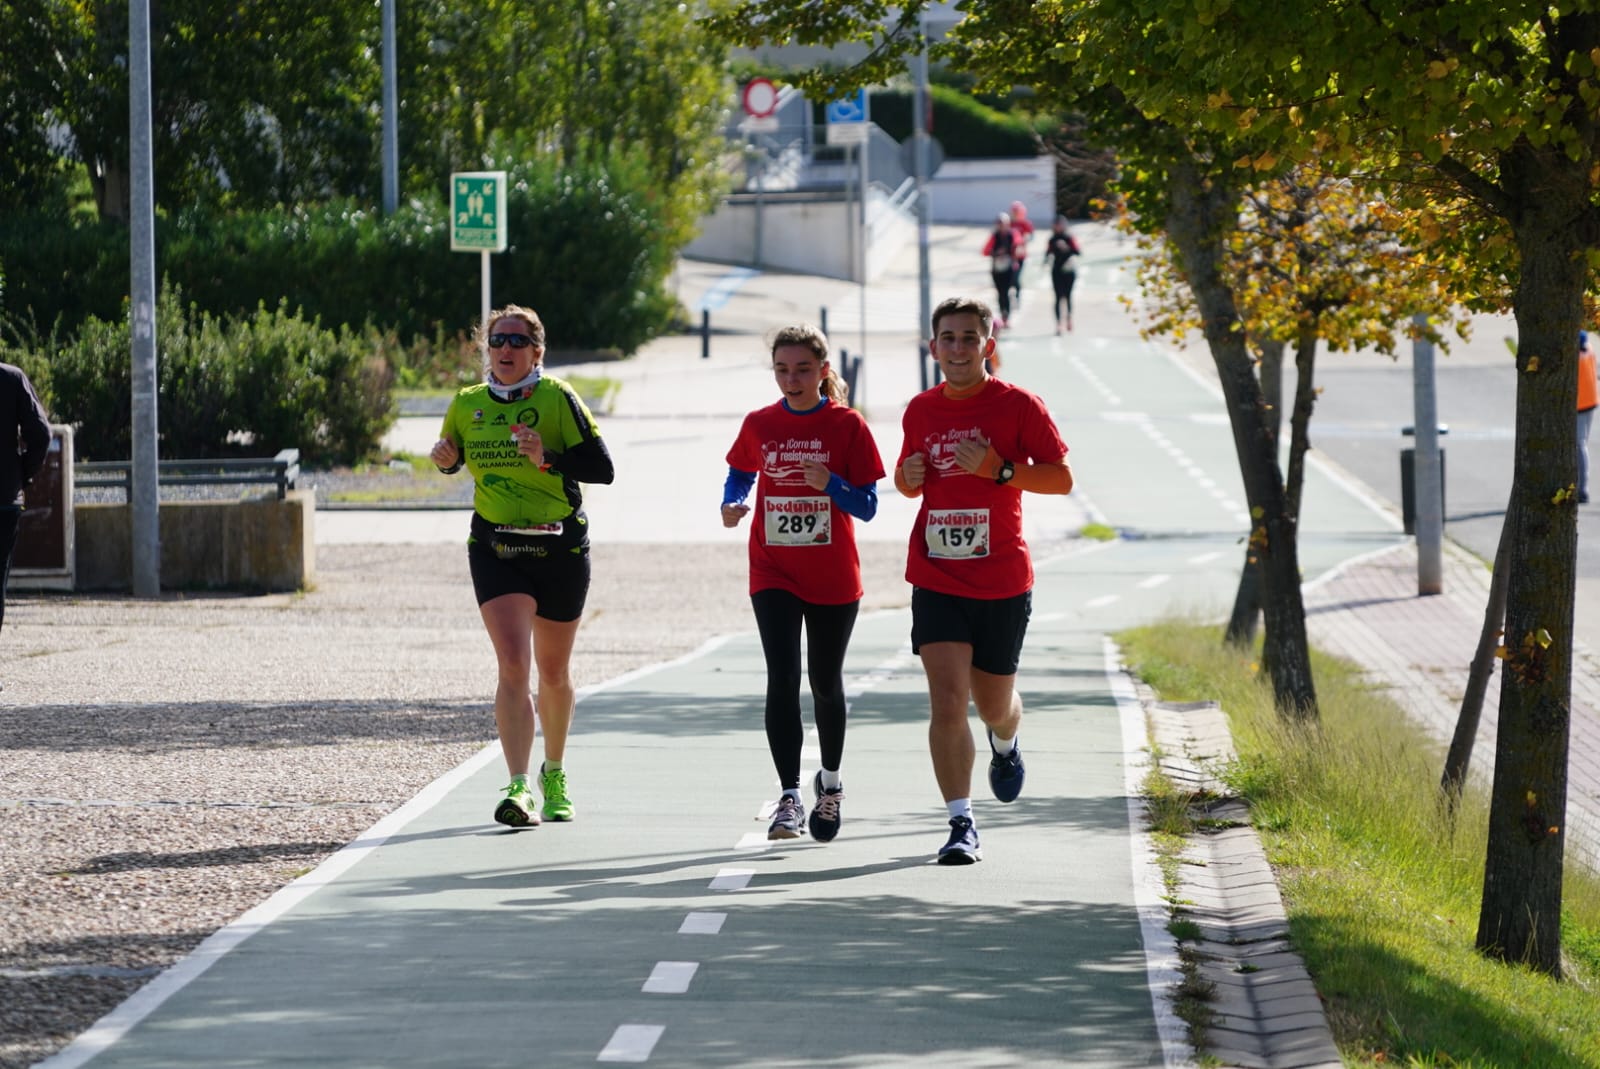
[(516, 391)]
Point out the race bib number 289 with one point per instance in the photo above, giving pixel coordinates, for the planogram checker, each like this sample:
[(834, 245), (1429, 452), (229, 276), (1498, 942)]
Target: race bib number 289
[(798, 521), (958, 533)]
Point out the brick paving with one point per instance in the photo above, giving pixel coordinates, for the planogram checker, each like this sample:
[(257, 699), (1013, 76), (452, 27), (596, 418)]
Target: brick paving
[(1420, 650)]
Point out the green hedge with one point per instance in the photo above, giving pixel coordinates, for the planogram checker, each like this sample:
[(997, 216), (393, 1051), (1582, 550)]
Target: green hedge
[(247, 386), (584, 251), (966, 128)]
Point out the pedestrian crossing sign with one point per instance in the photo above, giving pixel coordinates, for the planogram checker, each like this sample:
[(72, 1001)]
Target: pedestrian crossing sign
[(478, 211)]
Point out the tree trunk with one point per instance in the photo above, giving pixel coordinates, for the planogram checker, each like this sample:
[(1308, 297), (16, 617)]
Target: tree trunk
[(1520, 919), (1202, 208), (1305, 399), (1247, 599), (1241, 630), (1459, 757)]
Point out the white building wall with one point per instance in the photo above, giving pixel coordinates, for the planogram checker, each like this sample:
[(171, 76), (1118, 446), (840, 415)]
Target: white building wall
[(816, 235), (973, 191)]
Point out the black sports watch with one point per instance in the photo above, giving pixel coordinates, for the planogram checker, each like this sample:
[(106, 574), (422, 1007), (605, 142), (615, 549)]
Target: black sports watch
[(1007, 470)]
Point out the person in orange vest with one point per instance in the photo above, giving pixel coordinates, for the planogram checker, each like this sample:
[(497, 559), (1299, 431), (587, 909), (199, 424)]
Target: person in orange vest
[(1588, 398)]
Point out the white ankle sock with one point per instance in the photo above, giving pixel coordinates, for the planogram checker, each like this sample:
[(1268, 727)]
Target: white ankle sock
[(830, 780), (961, 807), (1003, 746)]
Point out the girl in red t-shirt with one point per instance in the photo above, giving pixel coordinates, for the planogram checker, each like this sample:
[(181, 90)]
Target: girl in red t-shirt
[(815, 467)]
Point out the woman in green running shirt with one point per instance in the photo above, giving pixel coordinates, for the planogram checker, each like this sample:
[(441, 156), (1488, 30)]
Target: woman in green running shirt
[(528, 440)]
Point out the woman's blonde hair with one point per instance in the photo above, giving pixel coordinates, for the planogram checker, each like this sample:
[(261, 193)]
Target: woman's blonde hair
[(833, 387), (480, 335)]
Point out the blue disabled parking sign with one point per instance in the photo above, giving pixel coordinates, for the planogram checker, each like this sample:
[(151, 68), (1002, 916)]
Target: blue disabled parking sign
[(847, 119)]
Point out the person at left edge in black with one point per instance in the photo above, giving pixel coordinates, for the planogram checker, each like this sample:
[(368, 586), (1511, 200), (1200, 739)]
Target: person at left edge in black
[(21, 416)]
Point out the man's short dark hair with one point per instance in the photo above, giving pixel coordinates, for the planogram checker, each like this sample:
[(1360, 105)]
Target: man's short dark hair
[(963, 306)]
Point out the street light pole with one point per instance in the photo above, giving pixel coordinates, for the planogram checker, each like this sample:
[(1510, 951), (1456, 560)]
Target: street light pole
[(1428, 474), (919, 155), (391, 116), (144, 496)]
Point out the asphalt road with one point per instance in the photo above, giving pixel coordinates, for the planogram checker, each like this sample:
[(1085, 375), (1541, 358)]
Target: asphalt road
[(1367, 399)]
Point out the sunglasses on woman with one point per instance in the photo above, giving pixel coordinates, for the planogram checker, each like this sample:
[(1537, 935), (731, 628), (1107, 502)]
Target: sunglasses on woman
[(516, 341)]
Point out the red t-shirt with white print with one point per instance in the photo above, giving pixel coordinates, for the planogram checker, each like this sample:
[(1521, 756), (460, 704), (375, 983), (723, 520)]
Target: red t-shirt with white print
[(968, 536), (800, 540)]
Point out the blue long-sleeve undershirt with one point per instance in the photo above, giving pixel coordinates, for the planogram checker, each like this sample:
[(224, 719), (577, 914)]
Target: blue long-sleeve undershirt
[(859, 501)]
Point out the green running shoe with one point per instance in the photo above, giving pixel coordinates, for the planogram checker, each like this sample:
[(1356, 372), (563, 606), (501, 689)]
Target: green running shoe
[(516, 809), (553, 785)]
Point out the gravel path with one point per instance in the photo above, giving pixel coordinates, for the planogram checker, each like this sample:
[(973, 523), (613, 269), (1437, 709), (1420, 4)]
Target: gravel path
[(166, 765)]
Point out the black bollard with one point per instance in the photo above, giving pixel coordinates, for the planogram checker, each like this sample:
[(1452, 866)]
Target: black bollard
[(705, 334)]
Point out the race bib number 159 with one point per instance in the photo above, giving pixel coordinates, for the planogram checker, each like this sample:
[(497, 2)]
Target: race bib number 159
[(958, 533)]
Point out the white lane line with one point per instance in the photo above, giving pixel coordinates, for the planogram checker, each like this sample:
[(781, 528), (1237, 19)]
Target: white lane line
[(1158, 438), (631, 1043), (1205, 558), (898, 662), (702, 922), (1162, 968), (1150, 582), (1102, 601), (670, 977), (1094, 380), (731, 879)]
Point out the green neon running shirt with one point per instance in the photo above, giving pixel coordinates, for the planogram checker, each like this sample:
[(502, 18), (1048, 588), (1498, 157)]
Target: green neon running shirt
[(509, 490)]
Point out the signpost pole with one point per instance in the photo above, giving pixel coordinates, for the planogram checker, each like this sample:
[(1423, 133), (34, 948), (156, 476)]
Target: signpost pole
[(485, 304)]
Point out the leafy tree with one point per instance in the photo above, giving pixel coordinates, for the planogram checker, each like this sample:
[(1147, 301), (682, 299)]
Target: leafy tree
[(569, 84), (1313, 260), (1499, 102), (251, 104)]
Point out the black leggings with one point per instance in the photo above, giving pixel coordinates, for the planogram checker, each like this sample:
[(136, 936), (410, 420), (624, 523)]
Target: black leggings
[(1063, 280), (1002, 289), (778, 618)]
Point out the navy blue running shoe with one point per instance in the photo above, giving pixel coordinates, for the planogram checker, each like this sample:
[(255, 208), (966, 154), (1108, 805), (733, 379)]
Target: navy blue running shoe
[(962, 849), (825, 816), (1005, 771)]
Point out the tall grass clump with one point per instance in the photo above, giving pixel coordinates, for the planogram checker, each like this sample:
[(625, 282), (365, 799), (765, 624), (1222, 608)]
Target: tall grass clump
[(1382, 885)]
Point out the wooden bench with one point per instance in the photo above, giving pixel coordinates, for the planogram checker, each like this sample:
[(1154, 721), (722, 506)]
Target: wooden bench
[(281, 471)]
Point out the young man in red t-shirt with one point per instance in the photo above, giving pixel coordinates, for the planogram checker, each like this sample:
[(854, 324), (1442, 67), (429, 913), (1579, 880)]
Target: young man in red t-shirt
[(972, 445)]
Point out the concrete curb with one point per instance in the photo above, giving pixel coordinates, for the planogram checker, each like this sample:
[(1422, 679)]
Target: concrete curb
[(1267, 1011)]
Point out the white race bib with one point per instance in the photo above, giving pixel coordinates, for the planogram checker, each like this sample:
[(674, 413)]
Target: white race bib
[(957, 534), (532, 530), (798, 521)]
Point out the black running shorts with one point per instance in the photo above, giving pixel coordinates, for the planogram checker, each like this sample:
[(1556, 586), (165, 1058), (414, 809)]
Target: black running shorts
[(551, 567), (994, 629)]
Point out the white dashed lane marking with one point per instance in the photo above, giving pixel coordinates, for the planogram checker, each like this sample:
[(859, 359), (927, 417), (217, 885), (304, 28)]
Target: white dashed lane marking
[(702, 923), (732, 879), (670, 977), (632, 1043)]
